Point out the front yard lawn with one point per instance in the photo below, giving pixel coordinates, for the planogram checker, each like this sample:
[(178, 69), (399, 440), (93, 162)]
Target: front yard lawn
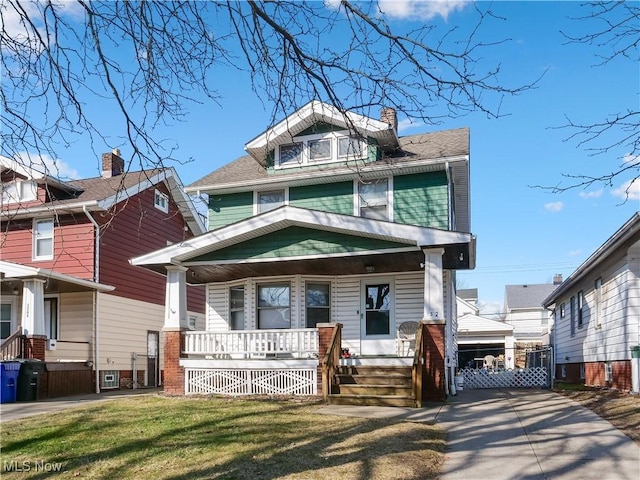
[(184, 438)]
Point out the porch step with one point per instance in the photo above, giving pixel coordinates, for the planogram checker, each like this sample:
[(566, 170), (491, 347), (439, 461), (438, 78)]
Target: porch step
[(372, 400), (372, 385)]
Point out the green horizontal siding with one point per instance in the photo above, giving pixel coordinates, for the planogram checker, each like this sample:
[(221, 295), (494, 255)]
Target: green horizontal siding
[(295, 242), (421, 199), (230, 208), (327, 197)]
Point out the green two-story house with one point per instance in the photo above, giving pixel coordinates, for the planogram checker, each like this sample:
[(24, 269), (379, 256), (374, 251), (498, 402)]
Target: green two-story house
[(330, 223)]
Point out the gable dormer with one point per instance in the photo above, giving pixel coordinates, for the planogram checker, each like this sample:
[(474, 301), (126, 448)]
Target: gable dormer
[(320, 134)]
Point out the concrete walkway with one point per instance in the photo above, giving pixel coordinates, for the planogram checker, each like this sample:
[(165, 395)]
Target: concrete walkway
[(17, 410), (521, 434)]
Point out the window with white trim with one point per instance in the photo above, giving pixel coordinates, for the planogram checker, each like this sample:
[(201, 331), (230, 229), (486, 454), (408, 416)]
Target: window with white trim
[(274, 305), (572, 314), (17, 191), (580, 309), (320, 148), (43, 239), (270, 200), (51, 324), (236, 307), (161, 201), (318, 303), (598, 307), (6, 319), (373, 199)]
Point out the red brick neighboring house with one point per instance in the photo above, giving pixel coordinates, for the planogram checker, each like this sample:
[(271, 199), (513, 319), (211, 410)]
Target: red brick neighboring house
[(67, 285)]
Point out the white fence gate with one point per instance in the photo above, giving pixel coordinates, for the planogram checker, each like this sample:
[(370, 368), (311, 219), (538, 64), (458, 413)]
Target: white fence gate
[(537, 374)]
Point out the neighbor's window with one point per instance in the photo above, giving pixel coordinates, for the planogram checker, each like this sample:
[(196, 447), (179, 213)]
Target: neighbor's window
[(572, 315), (161, 201), (373, 199), (43, 239), (236, 307), (598, 309), (5, 320), (290, 154), (318, 299), (19, 191), (274, 305), (270, 200), (51, 317), (562, 310), (580, 305)]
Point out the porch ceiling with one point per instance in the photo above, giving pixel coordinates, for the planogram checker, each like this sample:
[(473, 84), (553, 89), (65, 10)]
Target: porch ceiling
[(347, 265)]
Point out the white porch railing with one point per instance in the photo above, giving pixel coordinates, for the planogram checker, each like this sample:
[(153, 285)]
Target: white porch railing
[(295, 343)]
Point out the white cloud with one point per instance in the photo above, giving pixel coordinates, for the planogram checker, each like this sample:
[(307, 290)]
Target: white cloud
[(44, 164), (332, 4), (574, 253), (408, 124), (553, 206), (594, 194), (629, 190), (420, 9), (631, 159)]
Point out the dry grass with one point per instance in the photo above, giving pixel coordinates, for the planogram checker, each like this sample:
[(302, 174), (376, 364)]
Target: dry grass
[(620, 408), (184, 438)]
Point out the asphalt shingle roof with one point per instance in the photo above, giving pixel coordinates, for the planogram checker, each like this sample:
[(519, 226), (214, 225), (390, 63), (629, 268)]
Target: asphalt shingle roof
[(426, 146), (527, 296)]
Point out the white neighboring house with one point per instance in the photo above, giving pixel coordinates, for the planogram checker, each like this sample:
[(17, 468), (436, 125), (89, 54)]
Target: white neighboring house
[(597, 315), (524, 311)]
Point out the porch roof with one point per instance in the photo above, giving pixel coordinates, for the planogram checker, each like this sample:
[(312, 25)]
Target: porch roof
[(408, 242), (59, 282)]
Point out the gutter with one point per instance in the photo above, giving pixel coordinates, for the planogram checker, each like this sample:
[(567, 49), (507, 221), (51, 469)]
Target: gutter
[(96, 276)]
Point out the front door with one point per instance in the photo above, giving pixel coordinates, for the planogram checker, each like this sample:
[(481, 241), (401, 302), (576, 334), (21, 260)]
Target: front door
[(153, 340), (377, 326)]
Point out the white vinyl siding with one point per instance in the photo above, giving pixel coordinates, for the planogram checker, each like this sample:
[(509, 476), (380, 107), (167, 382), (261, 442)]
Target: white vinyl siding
[(609, 341)]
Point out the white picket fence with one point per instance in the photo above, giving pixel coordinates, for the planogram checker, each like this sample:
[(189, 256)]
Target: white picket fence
[(297, 343), (251, 381), (519, 378)]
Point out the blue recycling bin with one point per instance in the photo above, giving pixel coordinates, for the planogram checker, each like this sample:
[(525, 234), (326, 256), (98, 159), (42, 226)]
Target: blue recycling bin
[(9, 372)]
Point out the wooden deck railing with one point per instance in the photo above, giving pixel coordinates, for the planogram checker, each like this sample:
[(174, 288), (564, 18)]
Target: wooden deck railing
[(418, 367), (298, 343), (14, 346), (331, 360)]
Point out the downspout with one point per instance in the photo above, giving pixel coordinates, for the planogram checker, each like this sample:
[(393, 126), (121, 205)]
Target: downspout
[(96, 278)]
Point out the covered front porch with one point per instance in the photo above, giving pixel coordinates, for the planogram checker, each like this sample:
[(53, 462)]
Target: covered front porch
[(277, 281)]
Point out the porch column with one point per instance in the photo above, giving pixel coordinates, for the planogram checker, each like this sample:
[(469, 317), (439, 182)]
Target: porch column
[(433, 386), (175, 322), (33, 317), (433, 291), (176, 298)]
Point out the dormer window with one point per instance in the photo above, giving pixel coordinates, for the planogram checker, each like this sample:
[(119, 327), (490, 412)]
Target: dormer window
[(18, 191), (317, 149)]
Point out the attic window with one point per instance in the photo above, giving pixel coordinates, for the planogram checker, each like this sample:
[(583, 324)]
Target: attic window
[(18, 191), (319, 148), (161, 201)]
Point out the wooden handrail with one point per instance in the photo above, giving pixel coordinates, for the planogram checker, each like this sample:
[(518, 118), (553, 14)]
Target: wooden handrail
[(331, 360), (416, 368), (13, 346)]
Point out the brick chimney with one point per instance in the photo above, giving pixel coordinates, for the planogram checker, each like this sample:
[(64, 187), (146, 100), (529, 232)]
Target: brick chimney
[(112, 164), (557, 279), (388, 115)]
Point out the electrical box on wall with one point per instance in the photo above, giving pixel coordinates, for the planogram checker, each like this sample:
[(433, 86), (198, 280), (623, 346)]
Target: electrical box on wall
[(52, 344)]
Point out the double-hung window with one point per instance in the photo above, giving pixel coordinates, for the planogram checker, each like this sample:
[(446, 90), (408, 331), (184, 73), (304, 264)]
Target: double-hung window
[(51, 317), (598, 309), (573, 310), (43, 239), (318, 302), (274, 305), (580, 301), (161, 201), (236, 307), (270, 200), (373, 199)]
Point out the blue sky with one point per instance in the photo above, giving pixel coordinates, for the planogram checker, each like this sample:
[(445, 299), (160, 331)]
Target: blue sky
[(524, 235)]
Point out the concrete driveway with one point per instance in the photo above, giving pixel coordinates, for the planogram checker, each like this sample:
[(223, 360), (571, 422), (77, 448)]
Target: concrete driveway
[(520, 434)]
